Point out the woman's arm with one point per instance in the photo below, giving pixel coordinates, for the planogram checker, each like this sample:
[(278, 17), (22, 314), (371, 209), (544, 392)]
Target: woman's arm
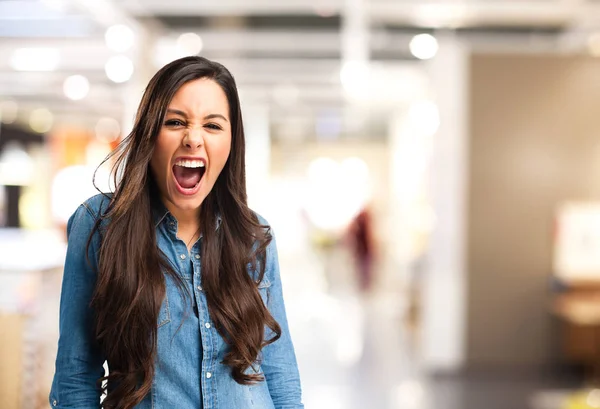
[(78, 361), (279, 359)]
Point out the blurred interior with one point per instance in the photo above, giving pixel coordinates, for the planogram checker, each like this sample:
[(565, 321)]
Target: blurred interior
[(431, 170)]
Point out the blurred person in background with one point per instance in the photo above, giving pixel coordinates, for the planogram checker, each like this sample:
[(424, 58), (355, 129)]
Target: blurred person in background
[(362, 246), (173, 280)]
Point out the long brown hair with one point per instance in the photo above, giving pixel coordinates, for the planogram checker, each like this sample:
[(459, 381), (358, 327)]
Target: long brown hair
[(131, 284)]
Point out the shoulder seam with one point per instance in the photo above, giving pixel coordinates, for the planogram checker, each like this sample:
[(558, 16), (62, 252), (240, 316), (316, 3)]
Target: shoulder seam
[(90, 211)]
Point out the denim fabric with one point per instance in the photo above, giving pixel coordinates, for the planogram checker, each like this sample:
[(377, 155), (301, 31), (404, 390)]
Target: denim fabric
[(189, 372)]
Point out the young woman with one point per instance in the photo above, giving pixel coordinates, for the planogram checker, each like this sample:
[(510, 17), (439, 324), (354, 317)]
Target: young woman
[(172, 279)]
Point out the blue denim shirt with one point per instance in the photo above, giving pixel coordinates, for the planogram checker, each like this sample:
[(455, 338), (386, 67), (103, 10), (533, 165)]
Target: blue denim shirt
[(189, 369)]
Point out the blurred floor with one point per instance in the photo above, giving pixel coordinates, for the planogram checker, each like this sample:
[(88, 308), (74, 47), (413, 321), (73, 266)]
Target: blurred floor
[(354, 350), (358, 352)]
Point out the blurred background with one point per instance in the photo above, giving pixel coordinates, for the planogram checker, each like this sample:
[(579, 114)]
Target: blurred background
[(431, 170)]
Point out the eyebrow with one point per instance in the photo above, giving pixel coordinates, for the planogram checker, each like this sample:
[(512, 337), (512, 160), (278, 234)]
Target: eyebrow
[(183, 114)]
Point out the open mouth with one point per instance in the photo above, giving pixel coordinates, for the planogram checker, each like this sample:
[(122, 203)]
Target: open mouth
[(188, 174)]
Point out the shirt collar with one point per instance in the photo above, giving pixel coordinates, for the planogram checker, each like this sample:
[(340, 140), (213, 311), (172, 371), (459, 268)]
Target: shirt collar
[(159, 211)]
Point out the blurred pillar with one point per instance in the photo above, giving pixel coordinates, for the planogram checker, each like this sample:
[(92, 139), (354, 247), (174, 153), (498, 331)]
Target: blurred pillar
[(407, 186), (355, 32), (258, 153), (355, 53), (444, 311), (12, 194)]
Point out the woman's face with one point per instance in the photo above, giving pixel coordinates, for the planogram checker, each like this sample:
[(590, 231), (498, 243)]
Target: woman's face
[(193, 145)]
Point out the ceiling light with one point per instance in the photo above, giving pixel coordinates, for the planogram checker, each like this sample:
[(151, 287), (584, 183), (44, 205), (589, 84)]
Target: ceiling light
[(41, 120), (189, 44), (424, 46), (119, 68), (76, 87), (119, 38), (107, 130), (35, 59)]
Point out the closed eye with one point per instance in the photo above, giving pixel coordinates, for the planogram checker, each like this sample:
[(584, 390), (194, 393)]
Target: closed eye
[(174, 123), (215, 127)]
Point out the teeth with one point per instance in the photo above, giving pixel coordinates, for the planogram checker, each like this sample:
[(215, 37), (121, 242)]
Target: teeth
[(190, 163)]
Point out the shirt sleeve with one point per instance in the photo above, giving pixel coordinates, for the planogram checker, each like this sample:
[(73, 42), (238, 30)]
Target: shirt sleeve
[(79, 363), (279, 359)]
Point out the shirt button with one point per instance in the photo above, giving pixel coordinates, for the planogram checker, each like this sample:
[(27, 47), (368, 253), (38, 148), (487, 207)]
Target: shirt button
[(199, 288), (207, 325), (197, 256), (208, 375), (182, 256), (54, 403)]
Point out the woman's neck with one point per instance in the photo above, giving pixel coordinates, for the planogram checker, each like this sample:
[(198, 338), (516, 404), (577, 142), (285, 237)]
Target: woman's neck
[(188, 221), (188, 227)]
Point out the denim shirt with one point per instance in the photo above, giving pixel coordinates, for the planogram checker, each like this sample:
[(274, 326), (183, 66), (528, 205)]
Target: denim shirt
[(189, 369)]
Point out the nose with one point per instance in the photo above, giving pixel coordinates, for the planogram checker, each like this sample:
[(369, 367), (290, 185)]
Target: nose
[(193, 139)]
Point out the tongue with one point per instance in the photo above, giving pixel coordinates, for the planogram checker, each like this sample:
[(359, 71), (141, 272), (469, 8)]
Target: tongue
[(186, 177)]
